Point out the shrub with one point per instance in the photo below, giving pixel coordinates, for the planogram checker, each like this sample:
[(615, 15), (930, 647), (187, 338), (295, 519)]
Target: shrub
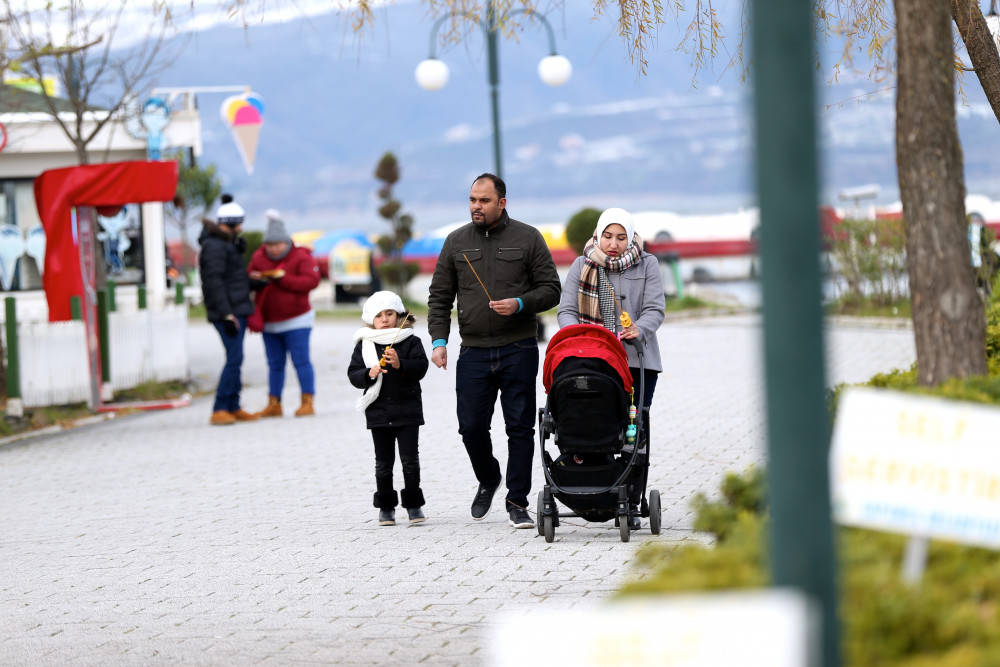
[(254, 240), (745, 493), (401, 273), (950, 620), (871, 257), (580, 228)]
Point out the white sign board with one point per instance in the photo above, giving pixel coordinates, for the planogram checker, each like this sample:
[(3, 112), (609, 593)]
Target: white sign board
[(766, 628), (917, 465)]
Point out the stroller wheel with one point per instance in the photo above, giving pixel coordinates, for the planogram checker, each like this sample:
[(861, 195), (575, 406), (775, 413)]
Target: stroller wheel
[(654, 512), (538, 514), (548, 528), (624, 529)]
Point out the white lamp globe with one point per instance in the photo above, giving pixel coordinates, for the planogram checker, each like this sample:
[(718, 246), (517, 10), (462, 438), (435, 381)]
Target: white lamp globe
[(431, 74), (555, 70)]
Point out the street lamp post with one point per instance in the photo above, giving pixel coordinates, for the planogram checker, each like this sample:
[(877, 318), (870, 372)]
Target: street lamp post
[(432, 74)]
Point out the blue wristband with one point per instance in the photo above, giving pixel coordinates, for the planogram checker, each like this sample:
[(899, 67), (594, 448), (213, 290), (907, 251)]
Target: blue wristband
[(520, 304), (439, 342)]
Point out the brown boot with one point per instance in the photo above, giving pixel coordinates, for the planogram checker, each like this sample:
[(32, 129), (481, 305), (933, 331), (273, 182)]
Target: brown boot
[(242, 415), (306, 409), (222, 418), (273, 408)]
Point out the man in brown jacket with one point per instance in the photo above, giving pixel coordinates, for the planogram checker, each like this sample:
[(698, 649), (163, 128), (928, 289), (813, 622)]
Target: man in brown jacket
[(502, 274)]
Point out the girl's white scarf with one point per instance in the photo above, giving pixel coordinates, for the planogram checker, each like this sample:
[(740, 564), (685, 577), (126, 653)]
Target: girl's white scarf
[(369, 337)]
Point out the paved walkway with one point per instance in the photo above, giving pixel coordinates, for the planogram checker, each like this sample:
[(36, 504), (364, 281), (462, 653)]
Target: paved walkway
[(155, 538)]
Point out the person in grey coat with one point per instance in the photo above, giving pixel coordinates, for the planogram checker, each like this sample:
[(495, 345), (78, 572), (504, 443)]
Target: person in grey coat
[(613, 275)]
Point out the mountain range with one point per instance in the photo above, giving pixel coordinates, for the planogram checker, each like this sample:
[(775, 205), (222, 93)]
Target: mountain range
[(335, 102)]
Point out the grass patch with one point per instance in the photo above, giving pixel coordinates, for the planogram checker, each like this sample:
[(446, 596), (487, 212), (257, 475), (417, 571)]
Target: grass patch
[(687, 303), (153, 391), (866, 307), (39, 418), (343, 312)]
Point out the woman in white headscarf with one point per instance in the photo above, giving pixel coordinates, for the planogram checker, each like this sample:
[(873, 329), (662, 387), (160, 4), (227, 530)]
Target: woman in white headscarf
[(615, 275)]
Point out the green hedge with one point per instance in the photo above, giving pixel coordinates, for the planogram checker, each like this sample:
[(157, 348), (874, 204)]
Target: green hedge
[(951, 619)]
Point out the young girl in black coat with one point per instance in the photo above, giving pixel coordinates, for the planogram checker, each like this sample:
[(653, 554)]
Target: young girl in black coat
[(388, 363)]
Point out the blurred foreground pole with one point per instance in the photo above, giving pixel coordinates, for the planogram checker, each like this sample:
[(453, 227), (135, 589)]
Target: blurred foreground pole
[(801, 548)]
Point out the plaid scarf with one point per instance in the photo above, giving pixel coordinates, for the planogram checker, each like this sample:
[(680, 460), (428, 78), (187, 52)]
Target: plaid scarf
[(596, 302)]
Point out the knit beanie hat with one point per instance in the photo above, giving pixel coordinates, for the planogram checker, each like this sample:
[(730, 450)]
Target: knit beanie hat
[(276, 232), (272, 214), (379, 301), (615, 216), (230, 213)]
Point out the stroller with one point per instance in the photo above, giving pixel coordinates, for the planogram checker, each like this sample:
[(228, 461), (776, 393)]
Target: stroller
[(603, 441)]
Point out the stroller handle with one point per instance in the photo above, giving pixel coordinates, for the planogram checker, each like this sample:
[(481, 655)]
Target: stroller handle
[(634, 342)]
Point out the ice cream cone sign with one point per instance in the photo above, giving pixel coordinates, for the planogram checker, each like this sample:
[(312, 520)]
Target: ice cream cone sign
[(244, 115)]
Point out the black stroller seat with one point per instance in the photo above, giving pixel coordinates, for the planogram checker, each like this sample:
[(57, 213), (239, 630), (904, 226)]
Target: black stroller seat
[(590, 406)]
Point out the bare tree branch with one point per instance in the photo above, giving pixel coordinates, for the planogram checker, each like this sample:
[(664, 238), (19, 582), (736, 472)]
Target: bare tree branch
[(77, 45)]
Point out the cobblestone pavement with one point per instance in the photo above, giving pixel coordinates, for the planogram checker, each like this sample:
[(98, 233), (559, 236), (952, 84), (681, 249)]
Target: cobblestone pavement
[(156, 538)]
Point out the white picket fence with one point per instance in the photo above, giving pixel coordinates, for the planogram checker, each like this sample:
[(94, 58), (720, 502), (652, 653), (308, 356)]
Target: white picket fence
[(53, 363), (144, 346)]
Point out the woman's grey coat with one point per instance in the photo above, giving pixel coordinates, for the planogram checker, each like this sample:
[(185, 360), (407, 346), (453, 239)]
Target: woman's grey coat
[(640, 290)]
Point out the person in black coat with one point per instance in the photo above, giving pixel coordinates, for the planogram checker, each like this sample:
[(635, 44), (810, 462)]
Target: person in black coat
[(388, 363), (225, 287)]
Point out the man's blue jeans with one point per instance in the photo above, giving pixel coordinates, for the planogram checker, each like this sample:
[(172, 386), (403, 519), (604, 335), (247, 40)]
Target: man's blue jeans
[(480, 373), (277, 347), (227, 395)]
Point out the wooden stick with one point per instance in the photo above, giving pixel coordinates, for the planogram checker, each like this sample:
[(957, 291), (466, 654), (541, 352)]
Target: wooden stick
[(477, 276), (406, 318)]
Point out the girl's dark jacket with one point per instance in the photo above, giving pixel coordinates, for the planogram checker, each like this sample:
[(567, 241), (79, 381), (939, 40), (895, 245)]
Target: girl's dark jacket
[(398, 402), (224, 282)]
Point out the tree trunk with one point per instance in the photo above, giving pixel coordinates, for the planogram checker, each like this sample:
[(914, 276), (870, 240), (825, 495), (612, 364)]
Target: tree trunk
[(981, 46), (948, 322)]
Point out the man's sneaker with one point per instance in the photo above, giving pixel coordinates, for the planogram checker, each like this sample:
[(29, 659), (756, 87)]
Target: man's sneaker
[(520, 519), (484, 498), (416, 516), (386, 518)]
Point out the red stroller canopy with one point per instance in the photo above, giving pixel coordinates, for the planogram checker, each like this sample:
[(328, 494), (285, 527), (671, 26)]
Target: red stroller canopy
[(586, 340)]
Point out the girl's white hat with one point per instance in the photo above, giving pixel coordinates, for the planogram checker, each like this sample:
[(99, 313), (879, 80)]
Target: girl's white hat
[(379, 301), (615, 216)]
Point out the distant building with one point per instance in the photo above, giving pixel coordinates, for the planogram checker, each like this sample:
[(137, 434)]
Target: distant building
[(133, 240)]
